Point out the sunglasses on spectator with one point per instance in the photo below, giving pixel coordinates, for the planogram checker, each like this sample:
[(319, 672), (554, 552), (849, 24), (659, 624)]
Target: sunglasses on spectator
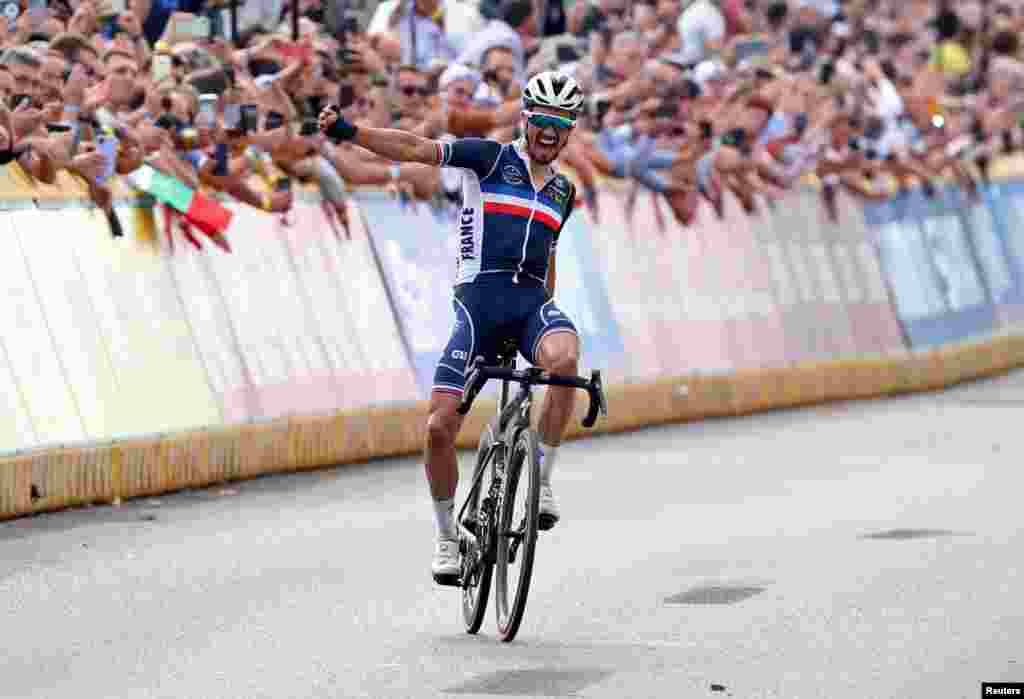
[(617, 12), (543, 121), (410, 90)]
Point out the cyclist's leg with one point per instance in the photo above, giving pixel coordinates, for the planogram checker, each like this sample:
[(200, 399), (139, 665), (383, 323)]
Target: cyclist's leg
[(469, 339), (444, 422), (550, 341), (443, 426), (553, 344)]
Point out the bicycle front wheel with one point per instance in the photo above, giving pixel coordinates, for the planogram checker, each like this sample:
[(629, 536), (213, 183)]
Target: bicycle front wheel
[(517, 533), (478, 556)]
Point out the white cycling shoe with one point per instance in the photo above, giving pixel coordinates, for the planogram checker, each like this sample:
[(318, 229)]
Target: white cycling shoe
[(549, 515), (445, 565)]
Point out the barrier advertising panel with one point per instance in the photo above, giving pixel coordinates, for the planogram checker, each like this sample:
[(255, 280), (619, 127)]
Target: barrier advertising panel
[(929, 263)]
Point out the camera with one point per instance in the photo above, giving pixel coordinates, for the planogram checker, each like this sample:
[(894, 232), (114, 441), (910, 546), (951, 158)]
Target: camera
[(248, 118), (275, 120), (346, 96)]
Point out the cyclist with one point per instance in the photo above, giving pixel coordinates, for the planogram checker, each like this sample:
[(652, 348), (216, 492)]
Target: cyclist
[(514, 206)]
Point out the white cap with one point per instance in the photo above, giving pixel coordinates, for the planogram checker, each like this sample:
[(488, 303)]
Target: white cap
[(457, 72), (1005, 65), (708, 70)]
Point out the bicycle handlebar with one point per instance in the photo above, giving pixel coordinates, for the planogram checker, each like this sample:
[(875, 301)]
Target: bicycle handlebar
[(480, 375)]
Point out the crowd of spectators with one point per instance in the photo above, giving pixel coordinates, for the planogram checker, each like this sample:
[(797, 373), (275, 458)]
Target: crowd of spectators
[(687, 99)]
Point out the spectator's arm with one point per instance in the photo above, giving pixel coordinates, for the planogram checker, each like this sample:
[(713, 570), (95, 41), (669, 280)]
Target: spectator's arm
[(575, 157), (856, 184), (574, 22), (141, 9), (38, 160), (238, 187), (130, 157), (479, 122), (26, 122), (167, 161), (84, 20)]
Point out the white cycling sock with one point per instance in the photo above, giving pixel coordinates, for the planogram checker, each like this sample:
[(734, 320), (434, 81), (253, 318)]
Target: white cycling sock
[(547, 462), (444, 518)]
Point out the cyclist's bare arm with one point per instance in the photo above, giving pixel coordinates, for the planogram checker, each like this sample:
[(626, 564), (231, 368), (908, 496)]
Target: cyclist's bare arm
[(399, 146), (392, 144)]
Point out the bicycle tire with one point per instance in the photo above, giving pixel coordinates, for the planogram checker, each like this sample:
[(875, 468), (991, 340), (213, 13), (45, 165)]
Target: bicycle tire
[(474, 597), (523, 461)]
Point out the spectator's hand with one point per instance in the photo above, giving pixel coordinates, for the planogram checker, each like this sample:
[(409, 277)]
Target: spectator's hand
[(220, 49), (405, 192), (89, 165), (435, 123), (84, 20), (153, 99), (53, 111), (96, 96), (280, 202), (130, 24), (75, 87), (101, 195)]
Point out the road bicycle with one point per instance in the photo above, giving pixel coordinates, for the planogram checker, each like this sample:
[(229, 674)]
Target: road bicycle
[(493, 532)]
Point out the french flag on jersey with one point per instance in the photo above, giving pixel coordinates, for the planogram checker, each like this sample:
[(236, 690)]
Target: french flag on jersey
[(505, 200)]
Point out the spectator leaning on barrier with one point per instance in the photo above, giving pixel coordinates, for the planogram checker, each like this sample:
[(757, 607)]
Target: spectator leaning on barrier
[(689, 98)]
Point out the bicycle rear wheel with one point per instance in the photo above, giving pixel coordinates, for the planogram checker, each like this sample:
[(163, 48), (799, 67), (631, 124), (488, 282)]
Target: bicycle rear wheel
[(517, 533), (477, 554)]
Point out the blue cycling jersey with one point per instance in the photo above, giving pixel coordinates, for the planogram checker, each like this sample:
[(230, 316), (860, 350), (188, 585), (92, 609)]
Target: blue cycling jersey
[(508, 223)]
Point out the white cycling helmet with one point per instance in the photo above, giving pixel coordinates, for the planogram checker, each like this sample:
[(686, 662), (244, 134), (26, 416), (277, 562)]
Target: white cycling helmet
[(553, 89)]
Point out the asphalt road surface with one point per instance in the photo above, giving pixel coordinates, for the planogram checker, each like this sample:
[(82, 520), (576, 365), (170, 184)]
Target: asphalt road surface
[(856, 550)]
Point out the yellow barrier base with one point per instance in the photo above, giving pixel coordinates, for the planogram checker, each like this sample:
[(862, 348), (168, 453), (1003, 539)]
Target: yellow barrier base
[(61, 478)]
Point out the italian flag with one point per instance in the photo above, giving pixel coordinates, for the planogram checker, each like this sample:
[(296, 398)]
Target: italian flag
[(203, 211)]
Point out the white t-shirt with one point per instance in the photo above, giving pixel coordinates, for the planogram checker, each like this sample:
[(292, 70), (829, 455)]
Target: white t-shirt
[(461, 21), (496, 33), (702, 22)]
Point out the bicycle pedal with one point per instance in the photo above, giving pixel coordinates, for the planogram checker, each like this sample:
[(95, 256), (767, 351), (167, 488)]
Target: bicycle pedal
[(546, 523), (447, 580)]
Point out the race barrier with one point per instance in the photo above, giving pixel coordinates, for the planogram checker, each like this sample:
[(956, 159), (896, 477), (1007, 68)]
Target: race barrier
[(141, 364)]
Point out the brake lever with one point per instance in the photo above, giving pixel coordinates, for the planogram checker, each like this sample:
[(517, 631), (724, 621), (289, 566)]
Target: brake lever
[(597, 402), (595, 379)]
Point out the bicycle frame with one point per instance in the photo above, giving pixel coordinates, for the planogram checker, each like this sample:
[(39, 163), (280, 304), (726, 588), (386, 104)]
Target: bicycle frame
[(504, 431)]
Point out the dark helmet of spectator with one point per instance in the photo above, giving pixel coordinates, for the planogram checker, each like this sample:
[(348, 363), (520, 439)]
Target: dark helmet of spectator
[(516, 12)]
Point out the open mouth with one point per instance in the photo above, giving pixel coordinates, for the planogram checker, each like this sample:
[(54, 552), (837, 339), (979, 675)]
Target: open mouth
[(547, 139)]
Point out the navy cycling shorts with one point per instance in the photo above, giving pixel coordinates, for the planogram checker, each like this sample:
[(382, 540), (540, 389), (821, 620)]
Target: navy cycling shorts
[(486, 315)]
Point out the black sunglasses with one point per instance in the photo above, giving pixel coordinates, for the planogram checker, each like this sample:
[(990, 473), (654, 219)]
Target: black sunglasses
[(409, 91)]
